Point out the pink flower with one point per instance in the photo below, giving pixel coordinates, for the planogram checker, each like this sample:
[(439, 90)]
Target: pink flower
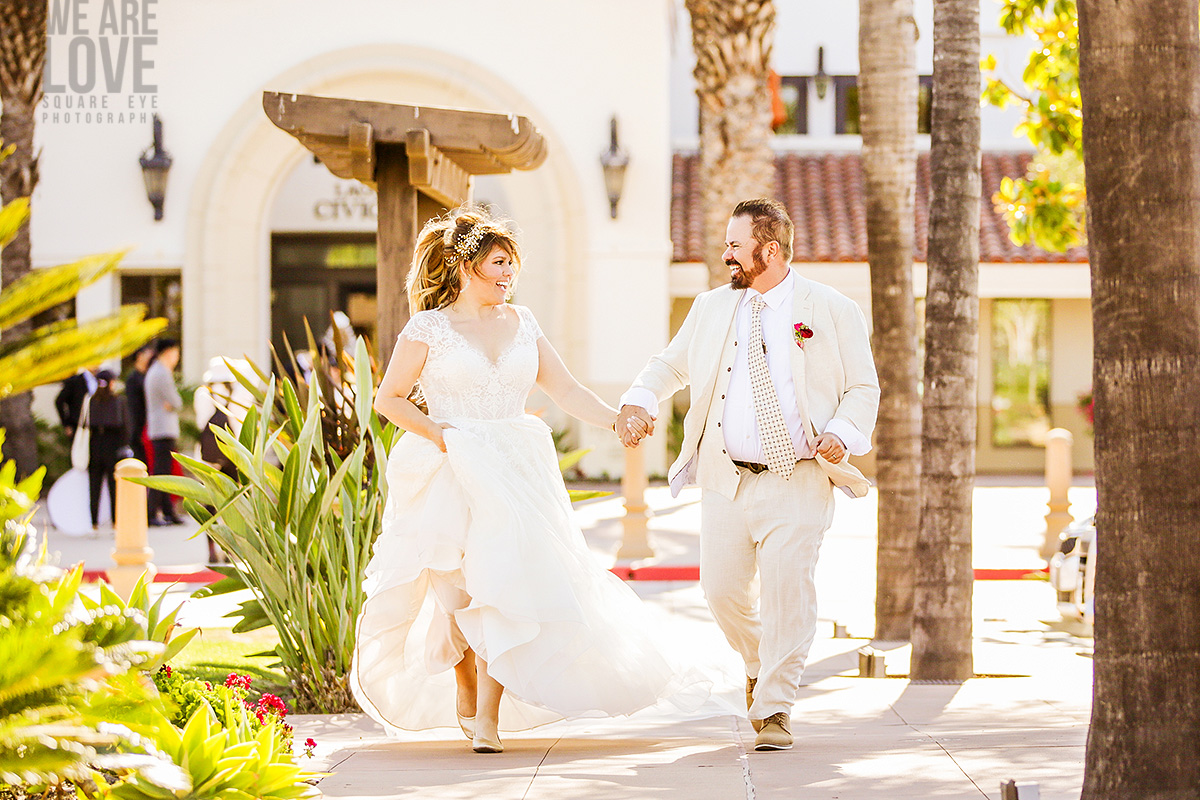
[(309, 744), (270, 703), (235, 681), (801, 332)]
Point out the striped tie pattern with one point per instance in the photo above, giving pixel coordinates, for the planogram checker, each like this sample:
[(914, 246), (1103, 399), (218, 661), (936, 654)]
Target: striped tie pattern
[(772, 430)]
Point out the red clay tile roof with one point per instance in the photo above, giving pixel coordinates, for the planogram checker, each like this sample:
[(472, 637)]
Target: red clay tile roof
[(824, 195)]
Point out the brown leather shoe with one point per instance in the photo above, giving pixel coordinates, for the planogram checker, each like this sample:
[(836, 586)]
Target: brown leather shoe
[(750, 684), (775, 734)]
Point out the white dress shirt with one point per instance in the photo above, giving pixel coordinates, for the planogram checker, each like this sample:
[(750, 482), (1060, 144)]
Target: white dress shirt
[(739, 421)]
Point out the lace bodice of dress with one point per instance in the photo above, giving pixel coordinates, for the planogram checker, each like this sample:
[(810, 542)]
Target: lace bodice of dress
[(460, 381)]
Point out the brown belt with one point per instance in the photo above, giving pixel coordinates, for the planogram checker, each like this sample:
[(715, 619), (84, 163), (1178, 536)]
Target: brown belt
[(757, 468)]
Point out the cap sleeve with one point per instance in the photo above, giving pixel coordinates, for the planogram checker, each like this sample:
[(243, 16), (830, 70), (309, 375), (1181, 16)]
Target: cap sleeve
[(423, 327), (534, 330)]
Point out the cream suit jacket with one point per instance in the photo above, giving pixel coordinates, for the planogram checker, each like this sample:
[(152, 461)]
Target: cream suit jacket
[(834, 376)]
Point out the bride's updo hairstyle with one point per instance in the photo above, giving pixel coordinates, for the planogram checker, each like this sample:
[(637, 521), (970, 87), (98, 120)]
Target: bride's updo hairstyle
[(460, 239)]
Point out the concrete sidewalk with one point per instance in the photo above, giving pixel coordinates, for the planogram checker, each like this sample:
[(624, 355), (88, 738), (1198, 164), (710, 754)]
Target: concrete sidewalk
[(855, 737)]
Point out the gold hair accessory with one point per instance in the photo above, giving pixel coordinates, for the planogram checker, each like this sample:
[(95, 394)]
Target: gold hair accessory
[(469, 242)]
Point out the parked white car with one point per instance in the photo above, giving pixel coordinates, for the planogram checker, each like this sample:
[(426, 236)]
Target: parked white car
[(1073, 570)]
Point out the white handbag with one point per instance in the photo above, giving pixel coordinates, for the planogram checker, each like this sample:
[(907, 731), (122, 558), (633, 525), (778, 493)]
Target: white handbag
[(81, 444)]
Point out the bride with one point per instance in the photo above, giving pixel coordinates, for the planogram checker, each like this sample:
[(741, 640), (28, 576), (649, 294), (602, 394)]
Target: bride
[(481, 593)]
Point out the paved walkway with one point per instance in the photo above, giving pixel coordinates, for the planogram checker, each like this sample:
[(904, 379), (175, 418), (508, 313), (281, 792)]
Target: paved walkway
[(856, 737)]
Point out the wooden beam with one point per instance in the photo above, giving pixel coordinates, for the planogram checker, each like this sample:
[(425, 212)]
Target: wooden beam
[(362, 151), (431, 171), (396, 239), (478, 141)]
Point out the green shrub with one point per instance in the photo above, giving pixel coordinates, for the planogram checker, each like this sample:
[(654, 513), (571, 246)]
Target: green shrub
[(17, 499), (71, 697), (229, 701), (221, 764), (298, 536), (152, 624)]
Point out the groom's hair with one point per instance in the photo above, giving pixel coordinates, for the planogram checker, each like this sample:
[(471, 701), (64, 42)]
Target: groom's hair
[(769, 222)]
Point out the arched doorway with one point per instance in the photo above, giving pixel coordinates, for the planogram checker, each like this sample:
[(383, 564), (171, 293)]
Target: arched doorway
[(227, 274)]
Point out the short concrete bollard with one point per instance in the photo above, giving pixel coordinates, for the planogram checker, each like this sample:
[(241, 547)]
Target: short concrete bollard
[(1058, 481), (1011, 790), (871, 663), (132, 555), (635, 544)]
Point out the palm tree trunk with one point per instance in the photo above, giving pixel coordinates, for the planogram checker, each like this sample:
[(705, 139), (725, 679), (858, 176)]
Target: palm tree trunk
[(887, 93), (22, 62), (1140, 82), (732, 40), (942, 616)]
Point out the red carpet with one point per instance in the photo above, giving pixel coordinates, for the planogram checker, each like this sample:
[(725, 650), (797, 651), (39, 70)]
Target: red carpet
[(652, 573)]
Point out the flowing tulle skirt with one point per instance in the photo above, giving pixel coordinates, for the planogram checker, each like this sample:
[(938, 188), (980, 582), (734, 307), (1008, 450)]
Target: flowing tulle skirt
[(492, 519)]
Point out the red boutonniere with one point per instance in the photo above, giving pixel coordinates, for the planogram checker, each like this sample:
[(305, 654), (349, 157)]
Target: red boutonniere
[(801, 332)]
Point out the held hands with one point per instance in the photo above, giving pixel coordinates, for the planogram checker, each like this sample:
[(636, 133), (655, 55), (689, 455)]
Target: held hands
[(830, 447), (633, 424)]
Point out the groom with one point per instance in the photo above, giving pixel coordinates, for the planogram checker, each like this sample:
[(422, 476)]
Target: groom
[(783, 390)]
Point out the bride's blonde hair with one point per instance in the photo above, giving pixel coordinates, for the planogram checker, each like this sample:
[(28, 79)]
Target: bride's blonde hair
[(463, 238)]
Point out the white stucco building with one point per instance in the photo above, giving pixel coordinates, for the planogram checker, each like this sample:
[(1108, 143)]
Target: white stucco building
[(254, 234)]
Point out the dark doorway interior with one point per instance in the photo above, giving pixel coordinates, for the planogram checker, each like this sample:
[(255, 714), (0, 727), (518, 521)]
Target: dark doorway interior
[(316, 274)]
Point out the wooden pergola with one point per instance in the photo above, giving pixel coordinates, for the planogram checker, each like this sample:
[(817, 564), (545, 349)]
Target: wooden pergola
[(419, 159)]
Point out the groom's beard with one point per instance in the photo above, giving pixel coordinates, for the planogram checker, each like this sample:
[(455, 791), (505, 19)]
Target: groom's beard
[(740, 278)]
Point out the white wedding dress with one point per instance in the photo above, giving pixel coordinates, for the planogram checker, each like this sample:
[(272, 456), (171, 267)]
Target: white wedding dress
[(491, 518)]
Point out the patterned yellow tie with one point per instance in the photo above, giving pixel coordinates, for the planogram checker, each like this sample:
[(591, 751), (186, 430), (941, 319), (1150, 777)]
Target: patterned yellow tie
[(772, 430)]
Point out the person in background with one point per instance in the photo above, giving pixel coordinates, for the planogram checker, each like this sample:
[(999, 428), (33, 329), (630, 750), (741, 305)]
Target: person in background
[(69, 400), (218, 387), (162, 425), (135, 397), (345, 331), (108, 421)]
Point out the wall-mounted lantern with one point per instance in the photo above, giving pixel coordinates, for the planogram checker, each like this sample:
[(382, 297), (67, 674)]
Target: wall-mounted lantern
[(614, 160), (821, 81), (156, 163)]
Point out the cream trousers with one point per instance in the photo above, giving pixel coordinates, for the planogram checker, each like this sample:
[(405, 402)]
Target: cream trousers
[(773, 527)]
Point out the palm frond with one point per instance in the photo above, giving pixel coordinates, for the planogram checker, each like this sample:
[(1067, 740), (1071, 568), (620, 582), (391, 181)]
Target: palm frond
[(54, 352), (45, 288)]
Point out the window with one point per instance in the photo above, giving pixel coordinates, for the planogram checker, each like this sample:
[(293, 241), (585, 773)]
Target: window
[(924, 103), (845, 90), (793, 90), (1020, 372), (301, 252), (846, 98), (161, 294)]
